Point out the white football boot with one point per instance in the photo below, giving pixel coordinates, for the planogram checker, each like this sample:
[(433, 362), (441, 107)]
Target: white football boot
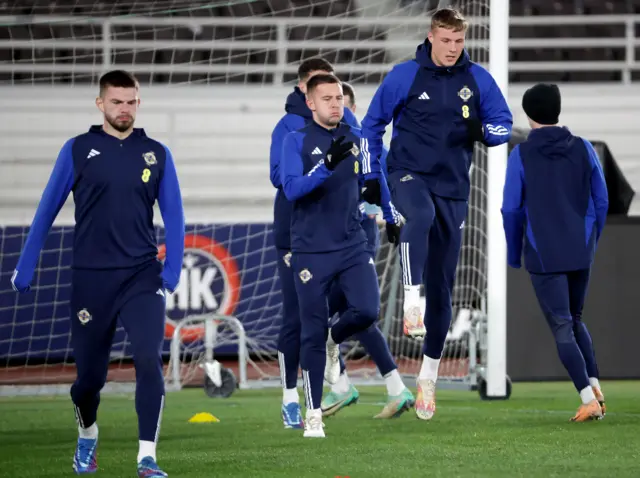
[(313, 426), (413, 322), (332, 364)]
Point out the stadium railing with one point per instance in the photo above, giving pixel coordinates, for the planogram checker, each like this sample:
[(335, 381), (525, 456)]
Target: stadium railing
[(625, 63)]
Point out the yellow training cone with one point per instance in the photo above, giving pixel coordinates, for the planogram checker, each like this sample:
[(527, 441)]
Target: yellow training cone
[(203, 417)]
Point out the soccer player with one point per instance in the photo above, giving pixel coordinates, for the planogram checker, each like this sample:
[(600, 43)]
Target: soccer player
[(321, 171), (440, 103), (297, 116), (116, 173), (343, 393), (555, 198)]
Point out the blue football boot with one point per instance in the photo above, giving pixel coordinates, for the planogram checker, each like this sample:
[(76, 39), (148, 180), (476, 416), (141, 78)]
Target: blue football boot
[(85, 458), (148, 468), (292, 416)]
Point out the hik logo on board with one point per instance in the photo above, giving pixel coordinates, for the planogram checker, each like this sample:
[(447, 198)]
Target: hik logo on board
[(209, 283)]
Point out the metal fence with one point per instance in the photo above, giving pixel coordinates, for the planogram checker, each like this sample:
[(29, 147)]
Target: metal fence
[(267, 50)]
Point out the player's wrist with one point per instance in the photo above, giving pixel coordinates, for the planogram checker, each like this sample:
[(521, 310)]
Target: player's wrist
[(324, 168)]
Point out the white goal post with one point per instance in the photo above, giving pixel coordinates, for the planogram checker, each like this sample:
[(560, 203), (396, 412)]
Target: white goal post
[(496, 371)]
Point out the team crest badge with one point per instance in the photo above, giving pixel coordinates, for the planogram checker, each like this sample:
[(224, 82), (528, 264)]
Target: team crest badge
[(84, 316), (465, 93), (287, 259), (305, 276), (150, 158), (355, 150)]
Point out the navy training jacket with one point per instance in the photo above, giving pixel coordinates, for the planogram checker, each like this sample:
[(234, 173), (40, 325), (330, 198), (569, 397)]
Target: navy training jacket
[(555, 197), (428, 105), (297, 116), (115, 184), (326, 204)]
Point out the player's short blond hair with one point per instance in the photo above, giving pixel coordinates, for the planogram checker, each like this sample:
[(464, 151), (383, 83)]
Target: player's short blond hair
[(449, 19)]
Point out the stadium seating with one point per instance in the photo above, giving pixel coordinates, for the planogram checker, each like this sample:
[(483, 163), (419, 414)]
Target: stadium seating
[(289, 8)]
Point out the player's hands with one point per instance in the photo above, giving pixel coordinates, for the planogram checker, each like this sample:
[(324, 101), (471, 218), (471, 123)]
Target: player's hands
[(393, 233), (475, 130), (338, 152), (371, 192), (169, 282), (20, 282), (393, 229)]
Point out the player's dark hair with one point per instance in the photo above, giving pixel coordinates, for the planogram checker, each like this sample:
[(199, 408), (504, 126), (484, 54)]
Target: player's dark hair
[(449, 19), (321, 79), (313, 64), (118, 79), (347, 90)]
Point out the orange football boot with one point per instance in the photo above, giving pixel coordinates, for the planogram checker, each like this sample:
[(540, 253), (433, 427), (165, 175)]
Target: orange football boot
[(425, 399), (590, 411)]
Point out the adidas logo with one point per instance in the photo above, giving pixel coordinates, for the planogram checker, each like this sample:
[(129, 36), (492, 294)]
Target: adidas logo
[(93, 153), (424, 96), (316, 151)]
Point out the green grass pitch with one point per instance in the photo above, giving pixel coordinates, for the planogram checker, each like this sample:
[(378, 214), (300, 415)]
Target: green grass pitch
[(529, 435)]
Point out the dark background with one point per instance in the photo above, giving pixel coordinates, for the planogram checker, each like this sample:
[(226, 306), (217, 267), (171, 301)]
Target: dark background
[(611, 312)]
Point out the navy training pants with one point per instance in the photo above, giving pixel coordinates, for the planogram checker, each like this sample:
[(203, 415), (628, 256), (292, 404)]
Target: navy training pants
[(98, 299)]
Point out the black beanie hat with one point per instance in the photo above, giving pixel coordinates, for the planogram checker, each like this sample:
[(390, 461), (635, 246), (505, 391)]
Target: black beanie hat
[(542, 103)]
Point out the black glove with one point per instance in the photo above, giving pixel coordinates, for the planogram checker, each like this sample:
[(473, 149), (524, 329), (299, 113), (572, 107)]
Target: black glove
[(393, 233), (371, 192), (338, 152), (474, 130)]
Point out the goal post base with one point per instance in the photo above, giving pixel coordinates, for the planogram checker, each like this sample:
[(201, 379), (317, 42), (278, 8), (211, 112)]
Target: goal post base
[(482, 390), (210, 323)]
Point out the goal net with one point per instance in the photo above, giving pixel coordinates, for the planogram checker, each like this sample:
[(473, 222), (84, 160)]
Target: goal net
[(227, 309)]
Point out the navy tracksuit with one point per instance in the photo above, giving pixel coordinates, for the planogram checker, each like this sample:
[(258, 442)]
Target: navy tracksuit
[(115, 273), (428, 166), (372, 339), (555, 199), (297, 116), (328, 244)]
